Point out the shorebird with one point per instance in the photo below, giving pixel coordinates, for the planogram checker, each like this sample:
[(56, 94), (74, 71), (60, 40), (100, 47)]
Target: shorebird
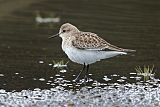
[(85, 47)]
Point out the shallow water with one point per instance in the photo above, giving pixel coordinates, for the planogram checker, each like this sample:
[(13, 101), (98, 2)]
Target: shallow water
[(27, 55), (24, 42)]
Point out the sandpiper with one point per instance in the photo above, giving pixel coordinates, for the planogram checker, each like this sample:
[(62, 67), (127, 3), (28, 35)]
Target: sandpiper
[(86, 47)]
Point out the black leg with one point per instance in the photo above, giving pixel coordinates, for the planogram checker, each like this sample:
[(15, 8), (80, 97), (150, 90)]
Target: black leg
[(84, 66), (87, 70), (86, 74)]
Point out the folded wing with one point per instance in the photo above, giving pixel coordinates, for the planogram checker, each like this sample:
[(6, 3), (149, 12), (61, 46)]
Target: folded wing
[(90, 41)]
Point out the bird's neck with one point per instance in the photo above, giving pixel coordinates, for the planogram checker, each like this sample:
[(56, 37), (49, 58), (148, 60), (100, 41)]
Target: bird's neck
[(66, 41)]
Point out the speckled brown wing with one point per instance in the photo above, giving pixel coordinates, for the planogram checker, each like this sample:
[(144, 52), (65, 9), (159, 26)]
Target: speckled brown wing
[(90, 41)]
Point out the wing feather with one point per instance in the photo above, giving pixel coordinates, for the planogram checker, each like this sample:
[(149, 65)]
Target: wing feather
[(90, 41)]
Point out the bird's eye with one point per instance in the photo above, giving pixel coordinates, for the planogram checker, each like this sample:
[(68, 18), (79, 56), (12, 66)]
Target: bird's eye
[(64, 30)]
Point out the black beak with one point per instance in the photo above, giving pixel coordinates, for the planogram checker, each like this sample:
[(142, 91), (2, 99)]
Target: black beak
[(53, 36)]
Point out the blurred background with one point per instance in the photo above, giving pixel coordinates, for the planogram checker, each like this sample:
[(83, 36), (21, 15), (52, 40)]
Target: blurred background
[(27, 55)]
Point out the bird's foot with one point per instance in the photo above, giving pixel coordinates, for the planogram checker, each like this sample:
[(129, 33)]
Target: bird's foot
[(86, 79), (76, 79)]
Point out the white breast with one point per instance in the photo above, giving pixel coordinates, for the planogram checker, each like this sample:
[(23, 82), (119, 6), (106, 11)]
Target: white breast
[(87, 56)]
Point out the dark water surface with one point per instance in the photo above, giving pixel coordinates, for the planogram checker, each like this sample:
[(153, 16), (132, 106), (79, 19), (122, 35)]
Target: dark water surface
[(24, 43)]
